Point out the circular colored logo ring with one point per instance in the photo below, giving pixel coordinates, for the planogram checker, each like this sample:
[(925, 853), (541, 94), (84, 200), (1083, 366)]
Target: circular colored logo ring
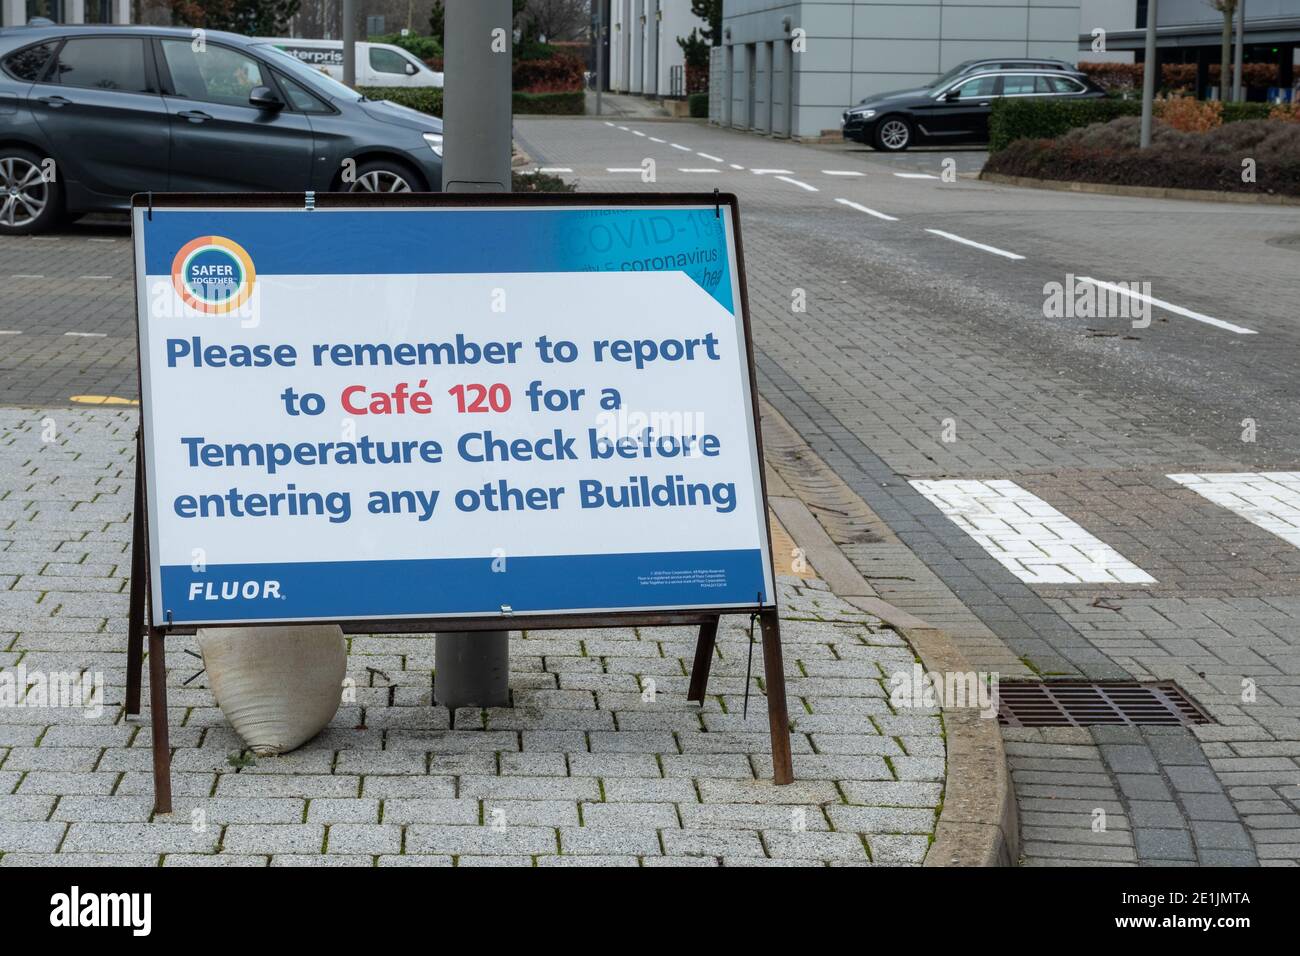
[(192, 295)]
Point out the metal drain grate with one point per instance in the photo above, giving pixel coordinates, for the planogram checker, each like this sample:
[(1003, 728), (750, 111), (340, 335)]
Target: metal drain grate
[(1078, 703)]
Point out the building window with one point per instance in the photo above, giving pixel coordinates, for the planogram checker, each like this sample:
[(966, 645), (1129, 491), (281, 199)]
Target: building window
[(99, 11), (49, 9)]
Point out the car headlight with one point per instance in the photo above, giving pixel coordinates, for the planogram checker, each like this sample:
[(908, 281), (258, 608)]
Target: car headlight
[(863, 114), (435, 142)]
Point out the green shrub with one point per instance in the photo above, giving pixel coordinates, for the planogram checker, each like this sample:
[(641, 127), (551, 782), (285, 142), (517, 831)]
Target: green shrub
[(424, 48), (699, 105), (426, 99), (1016, 118), (539, 183), (573, 103), (1237, 112)]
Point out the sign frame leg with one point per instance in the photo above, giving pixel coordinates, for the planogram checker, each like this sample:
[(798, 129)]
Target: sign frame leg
[(777, 714), (162, 755), (704, 646), (135, 626)]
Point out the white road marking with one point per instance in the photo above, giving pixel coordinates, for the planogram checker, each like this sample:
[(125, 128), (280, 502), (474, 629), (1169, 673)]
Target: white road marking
[(103, 240), (87, 335), (656, 139), (623, 169), (555, 169), (841, 172), (870, 212), (696, 169), (10, 332), (608, 123), (637, 132), (735, 166), (771, 172), (915, 176), (97, 278), (27, 275), (795, 182), (712, 159), (978, 245), (1027, 536), (623, 128), (1269, 499), (1170, 307), (684, 149)]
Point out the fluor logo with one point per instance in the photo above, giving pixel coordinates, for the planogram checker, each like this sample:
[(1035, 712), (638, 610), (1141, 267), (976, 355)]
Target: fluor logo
[(213, 274)]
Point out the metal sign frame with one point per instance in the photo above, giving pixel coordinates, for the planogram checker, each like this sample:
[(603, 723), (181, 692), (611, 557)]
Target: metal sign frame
[(142, 619)]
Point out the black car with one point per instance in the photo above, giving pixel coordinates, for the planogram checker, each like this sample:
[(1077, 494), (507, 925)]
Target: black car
[(91, 115), (955, 111)]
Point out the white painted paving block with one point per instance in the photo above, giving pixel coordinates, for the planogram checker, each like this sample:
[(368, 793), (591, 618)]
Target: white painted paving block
[(1027, 536), (1269, 499)]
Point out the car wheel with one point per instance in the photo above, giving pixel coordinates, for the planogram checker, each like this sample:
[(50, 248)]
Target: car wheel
[(893, 134), (381, 176), (28, 203)]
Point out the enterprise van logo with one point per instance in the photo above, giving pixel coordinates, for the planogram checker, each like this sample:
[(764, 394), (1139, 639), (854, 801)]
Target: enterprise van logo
[(213, 274)]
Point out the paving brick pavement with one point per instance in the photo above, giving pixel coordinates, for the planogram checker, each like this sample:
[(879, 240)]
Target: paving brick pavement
[(600, 760)]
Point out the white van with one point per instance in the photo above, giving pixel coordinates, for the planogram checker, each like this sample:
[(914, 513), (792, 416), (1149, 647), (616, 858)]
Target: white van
[(378, 64)]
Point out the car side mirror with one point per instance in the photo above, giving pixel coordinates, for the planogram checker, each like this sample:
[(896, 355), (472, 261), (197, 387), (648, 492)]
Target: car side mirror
[(410, 69), (952, 95), (265, 99)]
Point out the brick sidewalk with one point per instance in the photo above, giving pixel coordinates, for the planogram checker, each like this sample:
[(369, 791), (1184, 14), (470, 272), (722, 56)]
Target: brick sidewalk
[(586, 768)]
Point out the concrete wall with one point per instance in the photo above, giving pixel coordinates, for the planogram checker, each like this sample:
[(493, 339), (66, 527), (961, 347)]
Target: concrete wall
[(859, 47), (642, 54), (1111, 16)]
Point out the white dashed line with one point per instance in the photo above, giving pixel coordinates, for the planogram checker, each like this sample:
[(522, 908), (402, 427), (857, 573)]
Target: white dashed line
[(698, 169), (1170, 307), (608, 123), (27, 275), (841, 172), (1027, 536), (978, 245), (915, 176), (795, 182), (87, 335), (555, 169), (736, 166), (623, 169), (10, 332), (1269, 500), (103, 240), (712, 159), (684, 149), (771, 172), (637, 132), (623, 128), (97, 278), (656, 139), (870, 212)]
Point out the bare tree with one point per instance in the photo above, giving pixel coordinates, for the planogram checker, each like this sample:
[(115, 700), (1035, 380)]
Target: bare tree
[(557, 19), (1227, 8)]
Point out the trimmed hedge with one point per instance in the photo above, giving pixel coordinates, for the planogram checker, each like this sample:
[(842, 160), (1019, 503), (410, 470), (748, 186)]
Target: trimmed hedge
[(1213, 160), (1027, 118), (1013, 119), (572, 103), (1237, 112), (426, 99), (698, 104)]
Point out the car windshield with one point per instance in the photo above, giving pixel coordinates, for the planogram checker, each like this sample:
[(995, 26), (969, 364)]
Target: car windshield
[(951, 75), (313, 79)]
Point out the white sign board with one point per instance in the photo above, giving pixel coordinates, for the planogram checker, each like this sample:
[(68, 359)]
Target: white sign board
[(446, 411)]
